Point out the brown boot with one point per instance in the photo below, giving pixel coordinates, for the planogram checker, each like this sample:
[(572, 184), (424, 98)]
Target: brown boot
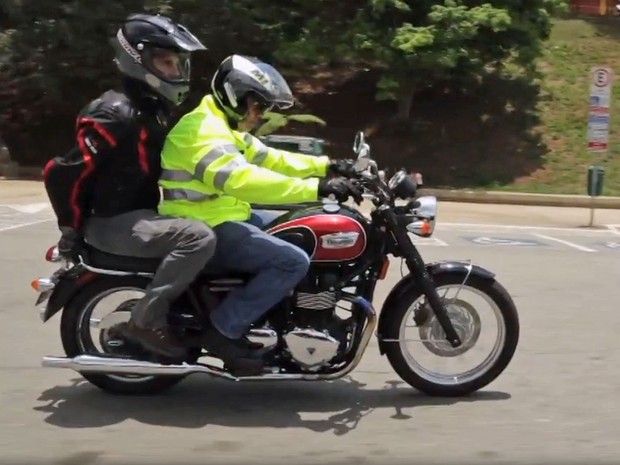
[(157, 340)]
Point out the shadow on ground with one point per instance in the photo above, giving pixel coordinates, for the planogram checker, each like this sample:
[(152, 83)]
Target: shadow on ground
[(196, 404)]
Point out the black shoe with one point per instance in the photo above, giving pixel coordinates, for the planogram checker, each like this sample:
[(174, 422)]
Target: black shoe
[(157, 340), (253, 346), (239, 355)]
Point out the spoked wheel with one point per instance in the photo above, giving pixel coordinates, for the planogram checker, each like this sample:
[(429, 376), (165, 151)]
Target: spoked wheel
[(86, 329), (483, 315)]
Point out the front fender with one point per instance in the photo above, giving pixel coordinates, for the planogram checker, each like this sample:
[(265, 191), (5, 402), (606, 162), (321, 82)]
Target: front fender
[(67, 286), (408, 283)]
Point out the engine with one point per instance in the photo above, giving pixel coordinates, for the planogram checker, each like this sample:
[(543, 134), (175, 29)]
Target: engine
[(309, 342), (314, 335)]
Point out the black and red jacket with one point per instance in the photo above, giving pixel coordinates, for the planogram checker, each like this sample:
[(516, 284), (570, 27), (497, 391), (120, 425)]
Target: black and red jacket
[(115, 165)]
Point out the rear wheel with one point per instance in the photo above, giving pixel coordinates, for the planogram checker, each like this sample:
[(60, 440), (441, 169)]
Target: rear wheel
[(82, 332), (430, 365)]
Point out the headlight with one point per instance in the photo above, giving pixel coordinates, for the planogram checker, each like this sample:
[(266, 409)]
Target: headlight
[(402, 185), (425, 214)]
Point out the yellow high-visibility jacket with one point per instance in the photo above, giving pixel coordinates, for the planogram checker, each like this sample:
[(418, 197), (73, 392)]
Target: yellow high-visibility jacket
[(211, 172)]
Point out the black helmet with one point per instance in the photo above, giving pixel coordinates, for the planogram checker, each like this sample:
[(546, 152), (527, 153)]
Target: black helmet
[(146, 39), (240, 76)]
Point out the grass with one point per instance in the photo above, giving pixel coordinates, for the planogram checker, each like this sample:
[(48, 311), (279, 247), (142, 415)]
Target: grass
[(507, 134), (575, 46)]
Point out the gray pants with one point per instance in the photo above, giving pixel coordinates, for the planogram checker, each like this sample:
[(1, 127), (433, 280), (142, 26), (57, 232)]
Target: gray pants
[(185, 246)]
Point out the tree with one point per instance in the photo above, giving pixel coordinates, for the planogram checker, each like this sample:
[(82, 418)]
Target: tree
[(418, 42), (55, 56)]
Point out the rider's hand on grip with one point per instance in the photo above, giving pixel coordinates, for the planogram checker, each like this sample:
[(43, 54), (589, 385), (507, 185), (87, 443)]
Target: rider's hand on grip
[(356, 191), (340, 188), (341, 168)]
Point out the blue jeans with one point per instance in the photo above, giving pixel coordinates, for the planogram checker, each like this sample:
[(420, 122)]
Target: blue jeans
[(278, 267)]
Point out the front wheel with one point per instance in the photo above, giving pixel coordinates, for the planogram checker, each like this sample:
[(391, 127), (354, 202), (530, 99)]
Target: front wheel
[(430, 366)]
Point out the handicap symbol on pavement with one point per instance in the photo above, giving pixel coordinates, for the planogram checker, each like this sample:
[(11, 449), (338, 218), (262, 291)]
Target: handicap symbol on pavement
[(484, 240)]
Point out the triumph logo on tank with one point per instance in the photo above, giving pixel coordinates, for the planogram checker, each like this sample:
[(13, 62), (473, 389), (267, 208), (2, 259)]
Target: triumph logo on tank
[(339, 240)]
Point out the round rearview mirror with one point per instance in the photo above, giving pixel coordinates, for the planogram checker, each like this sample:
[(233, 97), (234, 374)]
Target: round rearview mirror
[(358, 142)]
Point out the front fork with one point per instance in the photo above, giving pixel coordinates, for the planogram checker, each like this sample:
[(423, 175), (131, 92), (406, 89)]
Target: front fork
[(417, 267)]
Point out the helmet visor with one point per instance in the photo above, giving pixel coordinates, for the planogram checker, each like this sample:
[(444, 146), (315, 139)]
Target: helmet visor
[(168, 65), (281, 94)]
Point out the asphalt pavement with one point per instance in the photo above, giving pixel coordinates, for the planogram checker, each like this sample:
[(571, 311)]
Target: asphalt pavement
[(553, 403)]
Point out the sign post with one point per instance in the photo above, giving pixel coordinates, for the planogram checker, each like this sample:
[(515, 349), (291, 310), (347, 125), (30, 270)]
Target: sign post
[(598, 128)]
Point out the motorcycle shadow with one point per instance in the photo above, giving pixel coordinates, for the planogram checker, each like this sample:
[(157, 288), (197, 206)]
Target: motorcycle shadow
[(194, 404)]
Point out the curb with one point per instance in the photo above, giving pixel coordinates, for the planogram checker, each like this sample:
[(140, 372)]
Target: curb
[(518, 198), (13, 171)]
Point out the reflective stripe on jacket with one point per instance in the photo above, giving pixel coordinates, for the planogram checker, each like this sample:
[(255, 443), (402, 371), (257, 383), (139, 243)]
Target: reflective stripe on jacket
[(212, 173)]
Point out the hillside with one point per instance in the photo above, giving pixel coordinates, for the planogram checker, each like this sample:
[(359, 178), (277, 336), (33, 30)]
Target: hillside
[(504, 134), (501, 133)]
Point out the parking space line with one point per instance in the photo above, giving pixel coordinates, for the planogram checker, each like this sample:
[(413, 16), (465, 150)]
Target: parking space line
[(22, 225), (440, 242), (613, 228), (524, 228), (567, 243), (427, 241), (27, 207)]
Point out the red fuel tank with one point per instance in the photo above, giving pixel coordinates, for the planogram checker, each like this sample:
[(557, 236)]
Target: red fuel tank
[(335, 237)]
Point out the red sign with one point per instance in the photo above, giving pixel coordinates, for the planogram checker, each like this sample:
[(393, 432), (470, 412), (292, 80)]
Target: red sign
[(597, 145)]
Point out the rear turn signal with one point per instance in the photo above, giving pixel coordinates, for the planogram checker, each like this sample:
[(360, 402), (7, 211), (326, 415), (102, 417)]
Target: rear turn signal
[(42, 284), (52, 254)]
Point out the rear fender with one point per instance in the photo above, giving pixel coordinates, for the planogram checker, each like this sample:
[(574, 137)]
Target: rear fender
[(67, 286), (408, 284)]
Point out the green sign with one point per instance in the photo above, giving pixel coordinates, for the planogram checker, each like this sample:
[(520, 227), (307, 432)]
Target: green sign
[(596, 176)]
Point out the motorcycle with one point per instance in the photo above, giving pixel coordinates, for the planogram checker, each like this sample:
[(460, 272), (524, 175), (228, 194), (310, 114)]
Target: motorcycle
[(323, 328)]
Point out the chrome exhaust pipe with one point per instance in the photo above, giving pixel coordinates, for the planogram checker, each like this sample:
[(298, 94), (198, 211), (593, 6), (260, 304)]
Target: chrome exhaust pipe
[(371, 314), (109, 365), (102, 364)]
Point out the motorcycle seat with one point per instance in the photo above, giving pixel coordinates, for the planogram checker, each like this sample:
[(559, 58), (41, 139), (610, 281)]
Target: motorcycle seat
[(97, 258)]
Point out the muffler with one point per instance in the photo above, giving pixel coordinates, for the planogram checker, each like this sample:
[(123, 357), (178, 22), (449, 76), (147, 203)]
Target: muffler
[(117, 365), (114, 365)]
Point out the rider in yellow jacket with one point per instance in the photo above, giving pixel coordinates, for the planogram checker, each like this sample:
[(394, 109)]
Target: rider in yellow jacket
[(212, 172), (212, 168)]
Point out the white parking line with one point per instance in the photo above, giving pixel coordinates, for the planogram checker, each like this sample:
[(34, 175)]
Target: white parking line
[(22, 225), (27, 207), (569, 244), (525, 228), (613, 228), (427, 241)]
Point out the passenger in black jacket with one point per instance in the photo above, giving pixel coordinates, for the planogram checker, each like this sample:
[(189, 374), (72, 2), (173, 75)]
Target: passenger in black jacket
[(104, 191)]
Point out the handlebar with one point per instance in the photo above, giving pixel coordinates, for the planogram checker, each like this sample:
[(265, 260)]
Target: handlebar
[(369, 183), (372, 186)]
